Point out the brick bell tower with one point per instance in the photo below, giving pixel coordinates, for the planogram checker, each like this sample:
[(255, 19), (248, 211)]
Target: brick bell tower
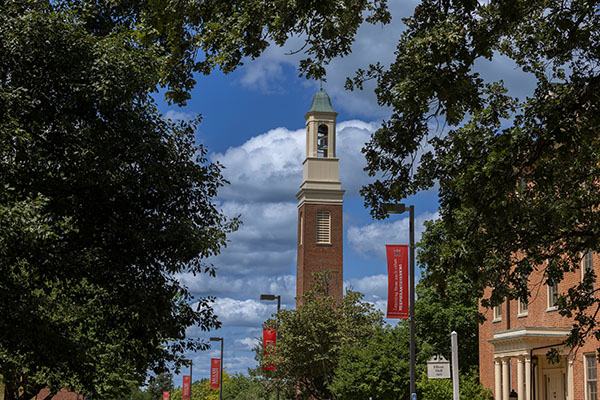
[(320, 233)]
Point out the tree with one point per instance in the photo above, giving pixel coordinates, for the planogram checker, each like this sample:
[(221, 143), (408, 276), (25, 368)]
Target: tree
[(443, 306), (243, 387), (518, 179), (200, 390), (101, 200), (92, 229), (197, 37), (158, 384), (135, 393), (310, 338), (378, 368)]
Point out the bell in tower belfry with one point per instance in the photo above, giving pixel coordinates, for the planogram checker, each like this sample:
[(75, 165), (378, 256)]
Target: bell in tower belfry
[(320, 203), (322, 141)]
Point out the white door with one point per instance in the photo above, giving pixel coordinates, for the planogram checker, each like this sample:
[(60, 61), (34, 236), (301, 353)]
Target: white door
[(555, 385)]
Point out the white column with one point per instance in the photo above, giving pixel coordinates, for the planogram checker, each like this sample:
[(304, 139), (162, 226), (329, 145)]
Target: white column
[(538, 381), (570, 383), (505, 388), (520, 388), (527, 378), (497, 379)]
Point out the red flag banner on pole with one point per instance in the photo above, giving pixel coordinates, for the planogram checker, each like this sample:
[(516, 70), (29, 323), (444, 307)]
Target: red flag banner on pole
[(185, 388), (269, 342), (165, 395), (215, 373), (397, 259)]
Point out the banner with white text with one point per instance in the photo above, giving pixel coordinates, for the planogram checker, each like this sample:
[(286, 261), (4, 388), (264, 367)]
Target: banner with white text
[(269, 342), (215, 373), (397, 260), (185, 388)]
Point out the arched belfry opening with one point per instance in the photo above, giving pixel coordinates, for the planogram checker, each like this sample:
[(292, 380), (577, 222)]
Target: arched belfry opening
[(320, 201), (322, 141)]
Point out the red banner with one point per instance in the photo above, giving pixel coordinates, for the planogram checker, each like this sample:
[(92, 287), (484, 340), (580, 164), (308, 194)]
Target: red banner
[(215, 373), (165, 395), (185, 388), (397, 259), (269, 342)]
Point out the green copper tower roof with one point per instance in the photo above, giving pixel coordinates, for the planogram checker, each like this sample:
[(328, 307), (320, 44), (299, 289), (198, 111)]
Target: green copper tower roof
[(321, 103)]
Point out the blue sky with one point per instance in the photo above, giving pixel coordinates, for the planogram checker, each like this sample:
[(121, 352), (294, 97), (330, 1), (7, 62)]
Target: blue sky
[(253, 123)]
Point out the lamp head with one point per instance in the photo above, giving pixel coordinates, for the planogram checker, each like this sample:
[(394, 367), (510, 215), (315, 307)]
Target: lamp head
[(268, 297), (216, 339), (394, 208)]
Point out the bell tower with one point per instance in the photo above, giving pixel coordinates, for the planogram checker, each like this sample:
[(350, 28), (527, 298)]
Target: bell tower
[(320, 233)]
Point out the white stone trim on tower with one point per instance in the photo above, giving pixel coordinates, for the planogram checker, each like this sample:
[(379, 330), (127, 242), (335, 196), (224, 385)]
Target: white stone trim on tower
[(320, 174)]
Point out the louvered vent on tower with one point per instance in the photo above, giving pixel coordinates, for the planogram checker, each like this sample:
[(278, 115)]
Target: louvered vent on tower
[(323, 227)]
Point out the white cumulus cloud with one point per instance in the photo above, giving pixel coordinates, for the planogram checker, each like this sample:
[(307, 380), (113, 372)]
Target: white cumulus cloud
[(268, 167), (373, 286), (370, 239), (175, 115), (248, 342), (242, 312)]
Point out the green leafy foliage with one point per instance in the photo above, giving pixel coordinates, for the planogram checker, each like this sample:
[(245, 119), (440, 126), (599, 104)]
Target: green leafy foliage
[(235, 387), (198, 36), (310, 340), (378, 368), (101, 203), (443, 306), (158, 384), (518, 178)]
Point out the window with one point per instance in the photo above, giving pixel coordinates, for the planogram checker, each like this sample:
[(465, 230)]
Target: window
[(552, 296), (301, 235), (498, 312), (323, 227), (588, 262), (591, 379), (523, 305)]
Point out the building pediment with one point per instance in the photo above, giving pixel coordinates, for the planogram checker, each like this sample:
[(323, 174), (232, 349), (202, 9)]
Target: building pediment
[(522, 340)]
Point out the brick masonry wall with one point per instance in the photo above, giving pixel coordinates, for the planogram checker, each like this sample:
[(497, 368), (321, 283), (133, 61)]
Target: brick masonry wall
[(538, 315), (62, 395), (313, 257)]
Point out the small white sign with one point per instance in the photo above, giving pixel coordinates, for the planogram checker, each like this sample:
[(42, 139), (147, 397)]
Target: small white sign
[(438, 368)]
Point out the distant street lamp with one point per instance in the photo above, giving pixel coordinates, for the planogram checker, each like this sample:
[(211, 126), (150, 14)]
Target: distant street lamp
[(393, 208), (220, 339), (191, 379), (278, 298)]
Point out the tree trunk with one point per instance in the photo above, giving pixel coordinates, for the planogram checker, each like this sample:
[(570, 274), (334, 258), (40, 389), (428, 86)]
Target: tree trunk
[(9, 393)]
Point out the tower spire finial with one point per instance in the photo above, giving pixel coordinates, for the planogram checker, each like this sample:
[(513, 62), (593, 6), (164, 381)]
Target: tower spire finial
[(321, 81)]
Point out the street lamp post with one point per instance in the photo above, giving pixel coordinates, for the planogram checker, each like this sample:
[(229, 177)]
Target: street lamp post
[(391, 208), (191, 378), (220, 339), (278, 298), (272, 297)]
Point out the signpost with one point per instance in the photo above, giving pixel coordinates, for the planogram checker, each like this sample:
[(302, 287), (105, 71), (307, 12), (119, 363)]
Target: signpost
[(438, 368), (454, 343)]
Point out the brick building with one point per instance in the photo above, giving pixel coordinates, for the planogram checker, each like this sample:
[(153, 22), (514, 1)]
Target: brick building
[(320, 230), (514, 340)]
